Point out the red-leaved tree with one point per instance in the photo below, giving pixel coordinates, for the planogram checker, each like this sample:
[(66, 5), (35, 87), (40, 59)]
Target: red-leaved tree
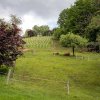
[(10, 41)]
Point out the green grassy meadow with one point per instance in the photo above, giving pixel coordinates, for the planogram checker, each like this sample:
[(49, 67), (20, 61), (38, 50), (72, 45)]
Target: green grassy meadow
[(40, 75)]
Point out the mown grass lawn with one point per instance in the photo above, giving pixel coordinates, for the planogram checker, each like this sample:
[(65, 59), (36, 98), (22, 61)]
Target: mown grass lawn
[(40, 75)]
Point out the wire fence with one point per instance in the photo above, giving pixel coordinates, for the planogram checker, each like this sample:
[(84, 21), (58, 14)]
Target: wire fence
[(77, 57), (71, 81), (88, 58)]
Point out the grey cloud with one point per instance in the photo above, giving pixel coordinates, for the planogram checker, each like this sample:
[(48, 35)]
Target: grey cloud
[(43, 8)]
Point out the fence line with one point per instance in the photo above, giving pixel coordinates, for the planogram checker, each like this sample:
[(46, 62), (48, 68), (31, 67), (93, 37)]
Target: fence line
[(44, 79), (76, 57), (66, 84), (86, 57), (72, 78)]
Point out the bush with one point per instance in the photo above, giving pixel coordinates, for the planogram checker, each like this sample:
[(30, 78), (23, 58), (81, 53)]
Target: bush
[(55, 53), (93, 47), (3, 70), (67, 54), (72, 40), (57, 33)]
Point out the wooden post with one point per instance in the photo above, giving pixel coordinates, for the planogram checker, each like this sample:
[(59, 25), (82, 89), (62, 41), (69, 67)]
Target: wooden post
[(88, 58), (82, 57), (76, 56), (32, 52), (8, 76), (12, 69), (68, 87)]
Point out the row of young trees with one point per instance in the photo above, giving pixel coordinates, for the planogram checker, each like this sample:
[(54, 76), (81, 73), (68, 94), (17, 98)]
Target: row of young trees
[(43, 30)]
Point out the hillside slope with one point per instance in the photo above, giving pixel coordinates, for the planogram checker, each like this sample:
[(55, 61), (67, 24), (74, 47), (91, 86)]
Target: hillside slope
[(40, 75)]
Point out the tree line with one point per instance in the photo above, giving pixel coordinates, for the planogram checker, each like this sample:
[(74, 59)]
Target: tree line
[(77, 26), (42, 30), (81, 19)]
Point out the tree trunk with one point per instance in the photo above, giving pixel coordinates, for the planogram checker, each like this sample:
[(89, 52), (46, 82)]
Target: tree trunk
[(13, 69), (73, 50)]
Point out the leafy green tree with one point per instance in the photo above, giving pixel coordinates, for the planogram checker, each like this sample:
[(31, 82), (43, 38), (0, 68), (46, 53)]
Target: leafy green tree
[(57, 33), (36, 29), (44, 28), (30, 33), (47, 33), (78, 17), (72, 40), (40, 30), (93, 29)]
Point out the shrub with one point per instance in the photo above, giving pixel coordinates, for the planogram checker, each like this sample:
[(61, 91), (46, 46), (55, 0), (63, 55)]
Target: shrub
[(55, 53), (66, 54), (72, 40), (10, 42), (93, 47), (57, 33), (3, 70)]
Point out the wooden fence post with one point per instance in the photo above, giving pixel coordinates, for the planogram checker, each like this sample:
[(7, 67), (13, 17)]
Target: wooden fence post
[(82, 57), (76, 56), (8, 76), (88, 58), (68, 87), (32, 52)]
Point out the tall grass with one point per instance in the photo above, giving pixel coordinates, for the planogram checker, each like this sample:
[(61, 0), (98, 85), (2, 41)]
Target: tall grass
[(43, 76)]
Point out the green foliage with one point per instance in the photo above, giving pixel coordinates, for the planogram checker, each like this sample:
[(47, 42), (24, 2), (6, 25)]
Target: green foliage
[(78, 17), (57, 33), (93, 29), (31, 71), (3, 70), (47, 33), (30, 33), (93, 47), (71, 40), (40, 30)]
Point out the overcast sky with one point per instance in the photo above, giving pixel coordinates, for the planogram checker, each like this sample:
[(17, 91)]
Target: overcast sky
[(34, 12)]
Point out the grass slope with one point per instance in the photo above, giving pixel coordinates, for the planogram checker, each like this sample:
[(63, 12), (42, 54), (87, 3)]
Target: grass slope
[(39, 75)]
